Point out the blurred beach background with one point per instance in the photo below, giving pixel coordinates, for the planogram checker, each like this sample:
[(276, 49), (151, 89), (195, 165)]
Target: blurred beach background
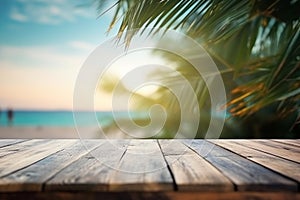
[(43, 45), (58, 124)]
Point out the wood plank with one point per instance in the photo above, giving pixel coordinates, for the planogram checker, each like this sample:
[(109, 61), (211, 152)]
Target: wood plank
[(52, 166), (26, 157), (91, 172), (192, 172), (32, 177), (289, 142), (142, 168), (285, 151), (280, 165), (8, 142), (19, 147), (174, 147), (246, 175)]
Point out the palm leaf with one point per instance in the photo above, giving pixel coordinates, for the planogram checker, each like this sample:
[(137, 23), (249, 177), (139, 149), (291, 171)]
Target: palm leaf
[(256, 39)]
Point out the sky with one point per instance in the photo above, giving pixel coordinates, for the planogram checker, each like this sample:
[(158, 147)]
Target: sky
[(43, 44)]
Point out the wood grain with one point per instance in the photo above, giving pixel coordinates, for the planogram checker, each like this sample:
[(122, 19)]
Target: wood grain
[(91, 172), (278, 164), (7, 142), (163, 169), (37, 150), (142, 168), (191, 171), (20, 146), (31, 178), (289, 142), (246, 175), (288, 152)]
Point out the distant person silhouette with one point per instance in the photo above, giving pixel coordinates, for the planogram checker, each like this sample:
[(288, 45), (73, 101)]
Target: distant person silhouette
[(10, 116)]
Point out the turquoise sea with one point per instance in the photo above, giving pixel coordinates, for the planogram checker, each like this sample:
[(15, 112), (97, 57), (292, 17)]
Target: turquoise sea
[(63, 118)]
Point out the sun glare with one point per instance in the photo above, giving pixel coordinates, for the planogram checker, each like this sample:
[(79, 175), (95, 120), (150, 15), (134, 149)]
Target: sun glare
[(133, 72)]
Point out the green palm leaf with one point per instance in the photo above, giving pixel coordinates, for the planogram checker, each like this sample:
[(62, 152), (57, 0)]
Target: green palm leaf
[(258, 40)]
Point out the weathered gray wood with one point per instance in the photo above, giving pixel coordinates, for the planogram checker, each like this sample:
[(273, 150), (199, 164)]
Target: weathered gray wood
[(246, 175), (7, 142), (91, 172), (19, 147), (192, 172), (64, 167), (21, 159), (280, 165), (32, 177), (175, 147), (289, 142), (275, 148), (142, 168)]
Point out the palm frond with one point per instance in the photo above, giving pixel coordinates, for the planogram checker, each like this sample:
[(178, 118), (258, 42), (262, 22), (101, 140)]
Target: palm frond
[(258, 40)]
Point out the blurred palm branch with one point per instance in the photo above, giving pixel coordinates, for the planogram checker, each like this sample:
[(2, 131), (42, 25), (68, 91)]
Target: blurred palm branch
[(257, 40)]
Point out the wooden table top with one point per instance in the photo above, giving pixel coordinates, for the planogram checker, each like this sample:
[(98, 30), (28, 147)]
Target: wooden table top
[(216, 169)]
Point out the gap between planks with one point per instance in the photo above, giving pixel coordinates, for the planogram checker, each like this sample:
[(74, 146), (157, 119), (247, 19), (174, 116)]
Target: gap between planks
[(245, 174), (277, 164)]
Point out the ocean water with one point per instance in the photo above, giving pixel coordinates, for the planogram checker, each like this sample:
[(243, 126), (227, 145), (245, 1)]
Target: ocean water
[(64, 118)]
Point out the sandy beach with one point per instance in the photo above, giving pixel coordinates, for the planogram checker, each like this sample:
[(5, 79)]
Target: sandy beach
[(44, 132)]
